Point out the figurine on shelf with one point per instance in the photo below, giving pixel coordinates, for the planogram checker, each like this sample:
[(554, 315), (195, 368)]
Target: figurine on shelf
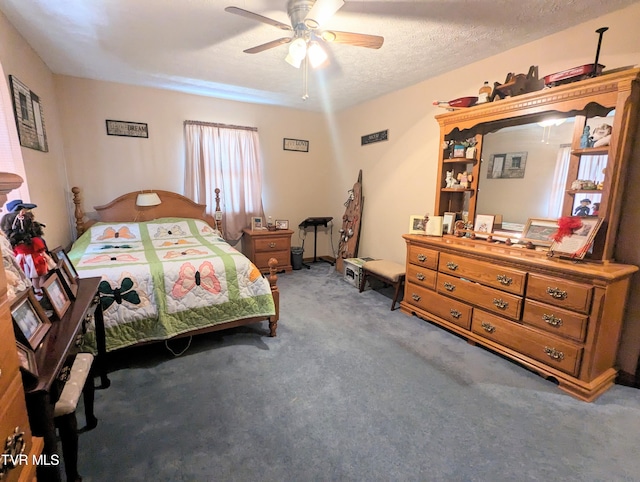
[(465, 179), (583, 209), (586, 139), (596, 209), (449, 180)]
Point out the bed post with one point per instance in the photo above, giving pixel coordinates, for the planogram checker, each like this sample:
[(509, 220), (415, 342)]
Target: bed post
[(273, 279), (218, 217), (78, 213)]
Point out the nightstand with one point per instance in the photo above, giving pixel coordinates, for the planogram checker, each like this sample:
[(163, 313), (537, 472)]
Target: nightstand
[(262, 245)]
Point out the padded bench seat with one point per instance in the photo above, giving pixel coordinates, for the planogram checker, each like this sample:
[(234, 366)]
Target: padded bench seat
[(387, 272)]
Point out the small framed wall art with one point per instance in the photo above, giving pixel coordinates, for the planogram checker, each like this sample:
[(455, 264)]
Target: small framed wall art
[(295, 145), (127, 129), (29, 116)]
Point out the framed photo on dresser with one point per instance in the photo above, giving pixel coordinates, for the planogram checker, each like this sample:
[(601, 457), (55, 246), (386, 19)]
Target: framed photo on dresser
[(60, 255), (27, 359), (56, 294), (30, 321), (70, 283)]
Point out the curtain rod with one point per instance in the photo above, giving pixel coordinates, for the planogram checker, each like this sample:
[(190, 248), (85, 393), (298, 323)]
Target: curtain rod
[(224, 126)]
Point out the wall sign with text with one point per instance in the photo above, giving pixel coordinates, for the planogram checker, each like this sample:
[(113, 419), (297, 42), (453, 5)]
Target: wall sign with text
[(375, 137), (127, 129), (295, 145)]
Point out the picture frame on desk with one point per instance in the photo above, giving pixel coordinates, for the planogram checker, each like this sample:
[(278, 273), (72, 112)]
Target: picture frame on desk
[(282, 224), (30, 321), (70, 283), (27, 359), (538, 231), (417, 224), (59, 254), (577, 244), (56, 293)]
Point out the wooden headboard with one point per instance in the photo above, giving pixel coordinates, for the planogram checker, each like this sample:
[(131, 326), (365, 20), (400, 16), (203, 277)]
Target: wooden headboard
[(123, 209)]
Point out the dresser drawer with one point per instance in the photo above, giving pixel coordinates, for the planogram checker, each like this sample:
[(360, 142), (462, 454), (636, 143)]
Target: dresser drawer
[(559, 292), (8, 356), (420, 256), (506, 279), (489, 298), (555, 320), (272, 244), (441, 306), (13, 422), (559, 354), (421, 276)]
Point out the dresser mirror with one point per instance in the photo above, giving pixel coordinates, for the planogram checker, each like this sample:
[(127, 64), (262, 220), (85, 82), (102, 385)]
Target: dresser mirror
[(535, 187)]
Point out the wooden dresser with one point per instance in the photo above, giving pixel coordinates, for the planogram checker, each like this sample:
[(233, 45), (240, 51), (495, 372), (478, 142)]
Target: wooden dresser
[(559, 318), (260, 246), (15, 432)]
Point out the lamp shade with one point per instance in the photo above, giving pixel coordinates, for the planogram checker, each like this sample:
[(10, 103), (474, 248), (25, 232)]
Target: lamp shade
[(148, 199)]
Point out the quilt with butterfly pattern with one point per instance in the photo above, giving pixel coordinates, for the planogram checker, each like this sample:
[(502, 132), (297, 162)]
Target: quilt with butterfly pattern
[(165, 277)]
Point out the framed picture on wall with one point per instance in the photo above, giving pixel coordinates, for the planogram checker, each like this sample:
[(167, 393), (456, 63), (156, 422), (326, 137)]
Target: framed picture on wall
[(29, 116)]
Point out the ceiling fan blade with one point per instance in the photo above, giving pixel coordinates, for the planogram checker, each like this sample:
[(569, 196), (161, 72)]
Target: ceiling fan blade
[(350, 38), (268, 45), (321, 11), (259, 18)]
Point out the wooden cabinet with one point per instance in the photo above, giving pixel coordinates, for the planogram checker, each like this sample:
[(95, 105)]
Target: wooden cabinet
[(556, 317), (262, 245)]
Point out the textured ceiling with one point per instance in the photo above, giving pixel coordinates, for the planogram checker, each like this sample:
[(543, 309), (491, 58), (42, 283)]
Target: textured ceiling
[(195, 46)]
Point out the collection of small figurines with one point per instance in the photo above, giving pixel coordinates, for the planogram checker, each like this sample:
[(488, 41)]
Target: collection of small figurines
[(462, 181)]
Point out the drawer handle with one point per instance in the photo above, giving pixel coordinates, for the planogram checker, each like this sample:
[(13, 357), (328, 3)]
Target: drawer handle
[(556, 293), (553, 353), (500, 303), (552, 320), (504, 279), (272, 245), (420, 276), (422, 258), (415, 297), (488, 327), (448, 286), (455, 313), (452, 266), (13, 446)]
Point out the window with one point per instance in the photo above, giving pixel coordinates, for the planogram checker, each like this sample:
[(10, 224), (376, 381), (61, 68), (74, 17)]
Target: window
[(224, 157)]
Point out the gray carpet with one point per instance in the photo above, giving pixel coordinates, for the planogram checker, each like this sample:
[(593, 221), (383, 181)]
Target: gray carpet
[(348, 391)]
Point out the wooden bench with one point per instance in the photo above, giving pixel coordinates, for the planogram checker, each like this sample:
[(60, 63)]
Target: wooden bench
[(386, 271)]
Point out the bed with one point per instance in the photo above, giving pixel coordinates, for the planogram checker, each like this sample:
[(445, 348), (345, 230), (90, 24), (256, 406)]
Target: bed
[(167, 272)]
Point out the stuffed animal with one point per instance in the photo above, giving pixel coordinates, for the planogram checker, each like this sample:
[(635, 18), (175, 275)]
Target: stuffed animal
[(601, 136)]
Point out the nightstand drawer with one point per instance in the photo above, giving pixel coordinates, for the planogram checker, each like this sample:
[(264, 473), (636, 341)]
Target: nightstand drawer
[(272, 243), (262, 259)]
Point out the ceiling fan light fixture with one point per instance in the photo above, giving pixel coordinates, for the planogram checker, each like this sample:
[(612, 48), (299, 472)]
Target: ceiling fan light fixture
[(298, 49), (293, 62), (317, 55), (328, 36), (322, 11)]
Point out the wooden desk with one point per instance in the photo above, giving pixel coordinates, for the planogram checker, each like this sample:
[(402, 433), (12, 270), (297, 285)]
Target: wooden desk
[(60, 342)]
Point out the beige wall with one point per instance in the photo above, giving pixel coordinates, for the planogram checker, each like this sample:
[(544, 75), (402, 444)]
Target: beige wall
[(45, 170), (399, 175)]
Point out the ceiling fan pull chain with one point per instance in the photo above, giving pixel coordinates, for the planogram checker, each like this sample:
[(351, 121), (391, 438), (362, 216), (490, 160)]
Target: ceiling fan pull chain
[(305, 78)]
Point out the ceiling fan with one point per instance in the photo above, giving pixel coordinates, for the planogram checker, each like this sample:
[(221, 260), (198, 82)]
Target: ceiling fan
[(305, 44)]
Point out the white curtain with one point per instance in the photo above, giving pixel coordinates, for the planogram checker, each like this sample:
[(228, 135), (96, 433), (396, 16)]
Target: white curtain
[(224, 157), (10, 152), (554, 211)]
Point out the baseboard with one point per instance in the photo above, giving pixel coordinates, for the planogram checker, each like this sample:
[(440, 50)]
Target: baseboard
[(628, 379)]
